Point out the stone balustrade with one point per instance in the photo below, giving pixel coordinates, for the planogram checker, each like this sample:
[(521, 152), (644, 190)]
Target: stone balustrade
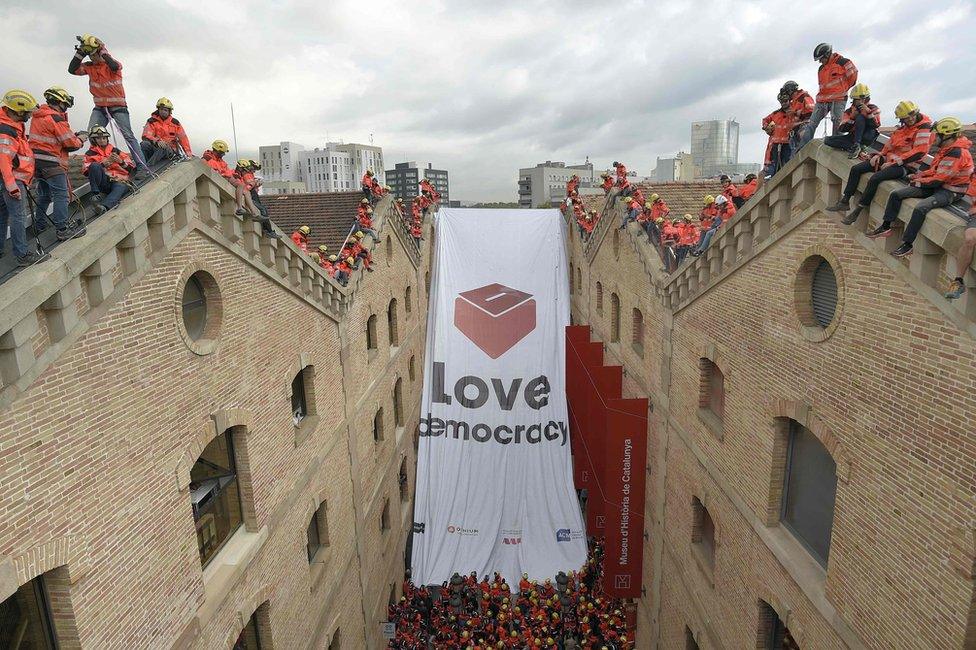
[(49, 306)]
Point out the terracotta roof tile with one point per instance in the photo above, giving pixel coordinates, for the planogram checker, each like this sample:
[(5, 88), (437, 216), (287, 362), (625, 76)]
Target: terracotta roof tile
[(330, 215), (681, 196)]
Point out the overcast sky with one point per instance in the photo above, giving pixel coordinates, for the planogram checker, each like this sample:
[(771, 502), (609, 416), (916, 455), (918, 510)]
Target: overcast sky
[(483, 88)]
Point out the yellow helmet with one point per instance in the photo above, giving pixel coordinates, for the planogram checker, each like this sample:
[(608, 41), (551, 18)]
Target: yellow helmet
[(647, 204), (59, 94), (659, 220), (164, 102), (333, 258), (89, 43), (654, 197), (359, 234), (350, 260), (220, 146), (304, 230), (19, 101), (244, 162), (860, 91), (708, 200), (905, 108), (323, 247), (97, 132), (948, 126), (687, 217)]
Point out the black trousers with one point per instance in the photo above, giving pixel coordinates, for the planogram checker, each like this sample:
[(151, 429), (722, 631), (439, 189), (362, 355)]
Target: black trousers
[(860, 133), (864, 167), (935, 197)]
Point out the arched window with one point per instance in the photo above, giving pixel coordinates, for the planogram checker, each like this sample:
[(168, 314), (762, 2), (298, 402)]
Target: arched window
[(215, 496), (614, 318), (637, 331), (703, 535), (711, 390), (302, 395), (391, 321), (599, 298), (773, 633), (579, 280), (412, 368), (408, 300), (385, 516), (403, 479), (378, 426), (398, 403), (809, 488), (389, 249), (371, 332)]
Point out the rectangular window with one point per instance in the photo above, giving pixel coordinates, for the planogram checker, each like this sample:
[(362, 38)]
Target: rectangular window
[(385, 516), (314, 543), (809, 489), (378, 426)]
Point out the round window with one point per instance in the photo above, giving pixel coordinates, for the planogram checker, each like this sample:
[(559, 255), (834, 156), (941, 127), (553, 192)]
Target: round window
[(199, 311), (818, 295), (194, 307), (823, 293)]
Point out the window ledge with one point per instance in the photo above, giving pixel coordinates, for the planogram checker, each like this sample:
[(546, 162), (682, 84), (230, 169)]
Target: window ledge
[(707, 568), (306, 428), (638, 349), (712, 422), (799, 563), (318, 567), (226, 569)]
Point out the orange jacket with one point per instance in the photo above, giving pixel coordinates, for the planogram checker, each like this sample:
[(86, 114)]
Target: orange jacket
[(670, 233), (951, 167), (726, 211), (971, 193), (659, 209), (836, 76), (117, 170), (218, 164), (571, 185), (167, 130), (16, 157), (245, 178), (607, 184), (801, 105), (708, 214), (782, 122), (730, 191), (621, 172), (688, 234), (104, 83), (868, 110), (748, 189), (300, 240), (51, 137), (907, 145), (367, 181)]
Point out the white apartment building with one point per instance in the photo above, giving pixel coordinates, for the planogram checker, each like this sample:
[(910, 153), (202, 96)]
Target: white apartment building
[(279, 162), (338, 167), (546, 182)]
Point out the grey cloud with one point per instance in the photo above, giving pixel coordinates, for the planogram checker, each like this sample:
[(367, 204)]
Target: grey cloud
[(485, 88)]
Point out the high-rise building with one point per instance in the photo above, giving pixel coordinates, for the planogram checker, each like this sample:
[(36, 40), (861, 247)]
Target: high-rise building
[(404, 180), (546, 182), (339, 167), (279, 162), (714, 146)]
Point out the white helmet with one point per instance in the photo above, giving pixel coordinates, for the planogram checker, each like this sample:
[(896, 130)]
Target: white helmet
[(721, 200)]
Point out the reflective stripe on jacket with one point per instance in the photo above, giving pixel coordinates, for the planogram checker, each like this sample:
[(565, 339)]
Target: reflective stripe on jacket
[(836, 76), (16, 157), (907, 145), (104, 84), (51, 137)]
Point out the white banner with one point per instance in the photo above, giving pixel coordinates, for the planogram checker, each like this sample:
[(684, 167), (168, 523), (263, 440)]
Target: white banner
[(494, 473)]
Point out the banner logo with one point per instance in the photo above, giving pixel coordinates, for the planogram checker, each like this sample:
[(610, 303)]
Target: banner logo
[(460, 530), (494, 317), (512, 540), (562, 535), (621, 581)]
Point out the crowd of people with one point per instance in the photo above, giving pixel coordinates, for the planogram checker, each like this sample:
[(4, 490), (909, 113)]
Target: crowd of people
[(855, 129), (35, 141), (568, 612), (355, 251)]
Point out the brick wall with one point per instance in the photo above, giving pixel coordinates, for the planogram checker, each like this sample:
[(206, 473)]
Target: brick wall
[(95, 456), (888, 393)]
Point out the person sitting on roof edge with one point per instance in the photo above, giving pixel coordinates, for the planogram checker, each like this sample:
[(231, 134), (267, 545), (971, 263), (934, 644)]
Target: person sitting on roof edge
[(859, 124), (964, 257), (108, 170), (300, 237), (901, 155), (163, 136), (945, 181)]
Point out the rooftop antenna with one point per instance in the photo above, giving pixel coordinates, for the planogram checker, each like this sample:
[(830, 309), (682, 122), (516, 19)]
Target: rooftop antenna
[(233, 126)]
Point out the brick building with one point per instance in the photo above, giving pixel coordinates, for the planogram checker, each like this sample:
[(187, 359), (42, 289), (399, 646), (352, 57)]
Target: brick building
[(204, 438), (811, 466)]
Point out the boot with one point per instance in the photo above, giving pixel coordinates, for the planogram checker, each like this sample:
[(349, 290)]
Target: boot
[(843, 205), (852, 216)]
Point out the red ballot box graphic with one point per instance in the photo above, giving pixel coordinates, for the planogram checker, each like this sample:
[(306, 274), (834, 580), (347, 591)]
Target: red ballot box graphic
[(494, 317)]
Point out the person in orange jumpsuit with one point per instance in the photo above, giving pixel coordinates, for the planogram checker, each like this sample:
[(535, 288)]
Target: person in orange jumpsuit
[(749, 187), (51, 139), (214, 157), (607, 183), (836, 75), (300, 237), (108, 170), (163, 137), (778, 125)]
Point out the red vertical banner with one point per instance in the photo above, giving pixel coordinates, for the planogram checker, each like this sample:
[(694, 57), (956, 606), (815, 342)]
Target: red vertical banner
[(609, 438), (623, 482)]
